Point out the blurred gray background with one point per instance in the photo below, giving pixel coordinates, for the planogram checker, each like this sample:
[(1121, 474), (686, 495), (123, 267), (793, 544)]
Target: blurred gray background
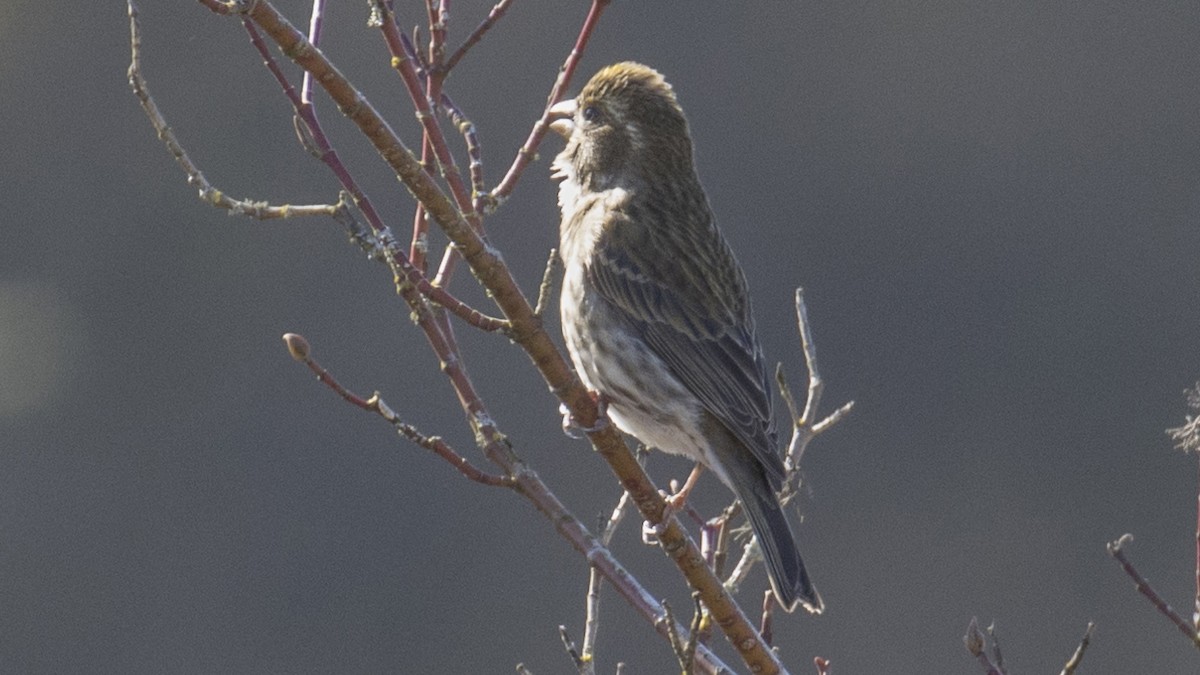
[(994, 208)]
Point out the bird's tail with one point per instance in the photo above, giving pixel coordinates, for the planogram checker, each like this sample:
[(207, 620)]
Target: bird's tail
[(785, 568)]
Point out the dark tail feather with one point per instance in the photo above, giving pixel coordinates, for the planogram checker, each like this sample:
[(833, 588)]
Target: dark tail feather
[(789, 579)]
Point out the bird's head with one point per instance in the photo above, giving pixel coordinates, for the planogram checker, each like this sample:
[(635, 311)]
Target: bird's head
[(624, 126)]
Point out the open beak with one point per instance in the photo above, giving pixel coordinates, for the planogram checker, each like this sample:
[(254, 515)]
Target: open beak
[(562, 117)]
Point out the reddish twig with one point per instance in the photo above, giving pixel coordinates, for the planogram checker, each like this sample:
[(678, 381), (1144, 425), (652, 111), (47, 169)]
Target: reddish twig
[(300, 350), (403, 64), (1117, 550), (476, 35), (327, 154), (528, 151)]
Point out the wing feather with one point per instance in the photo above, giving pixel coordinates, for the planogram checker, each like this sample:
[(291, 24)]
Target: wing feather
[(693, 312)]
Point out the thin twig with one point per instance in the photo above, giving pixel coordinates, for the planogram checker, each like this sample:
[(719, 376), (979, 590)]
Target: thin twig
[(591, 623), (996, 655), (528, 151), (976, 645), (474, 150), (750, 555), (404, 66), (1117, 550), (476, 35), (591, 626), (569, 646), (439, 24), (207, 193), (688, 658), (1077, 657), (766, 626), (314, 36), (433, 140), (301, 351), (407, 273), (804, 426), (553, 264), (673, 637), (223, 8)]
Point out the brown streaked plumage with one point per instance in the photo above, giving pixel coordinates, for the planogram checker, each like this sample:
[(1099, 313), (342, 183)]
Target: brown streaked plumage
[(655, 310)]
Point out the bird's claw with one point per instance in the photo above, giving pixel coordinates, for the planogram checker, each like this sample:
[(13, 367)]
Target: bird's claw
[(573, 429), (650, 531)]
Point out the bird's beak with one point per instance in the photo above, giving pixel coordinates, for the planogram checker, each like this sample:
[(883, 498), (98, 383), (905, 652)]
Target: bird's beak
[(562, 117)]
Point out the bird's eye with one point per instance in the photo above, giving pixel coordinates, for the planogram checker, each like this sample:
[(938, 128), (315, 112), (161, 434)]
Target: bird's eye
[(591, 114)]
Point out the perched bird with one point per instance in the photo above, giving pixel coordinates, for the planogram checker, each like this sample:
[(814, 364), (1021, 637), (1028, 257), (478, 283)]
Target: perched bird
[(655, 309)]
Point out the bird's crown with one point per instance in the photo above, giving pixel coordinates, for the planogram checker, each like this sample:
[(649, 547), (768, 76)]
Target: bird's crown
[(631, 82)]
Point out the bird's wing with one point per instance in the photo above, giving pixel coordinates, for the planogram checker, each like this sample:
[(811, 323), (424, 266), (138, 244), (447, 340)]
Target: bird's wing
[(692, 307)]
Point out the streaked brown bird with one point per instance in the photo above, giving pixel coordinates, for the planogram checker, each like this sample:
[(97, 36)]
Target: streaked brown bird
[(655, 309)]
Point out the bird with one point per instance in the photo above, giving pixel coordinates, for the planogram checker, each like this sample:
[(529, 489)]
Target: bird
[(655, 308)]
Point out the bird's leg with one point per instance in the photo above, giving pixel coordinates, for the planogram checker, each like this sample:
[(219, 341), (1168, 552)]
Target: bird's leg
[(573, 429), (675, 504), (678, 500)]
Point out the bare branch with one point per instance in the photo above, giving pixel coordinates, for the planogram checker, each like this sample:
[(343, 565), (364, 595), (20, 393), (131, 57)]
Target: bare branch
[(300, 350), (405, 67), (1196, 602), (315, 20), (553, 265), (474, 150), (765, 626), (1117, 550), (804, 426), (591, 623), (476, 35), (688, 658), (323, 150), (528, 151), (996, 655), (224, 8), (207, 193), (976, 645), (1077, 657), (569, 645)]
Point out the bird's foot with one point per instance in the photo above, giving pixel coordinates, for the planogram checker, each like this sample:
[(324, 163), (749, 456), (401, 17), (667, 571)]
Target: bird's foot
[(652, 532), (572, 427), (675, 503)]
